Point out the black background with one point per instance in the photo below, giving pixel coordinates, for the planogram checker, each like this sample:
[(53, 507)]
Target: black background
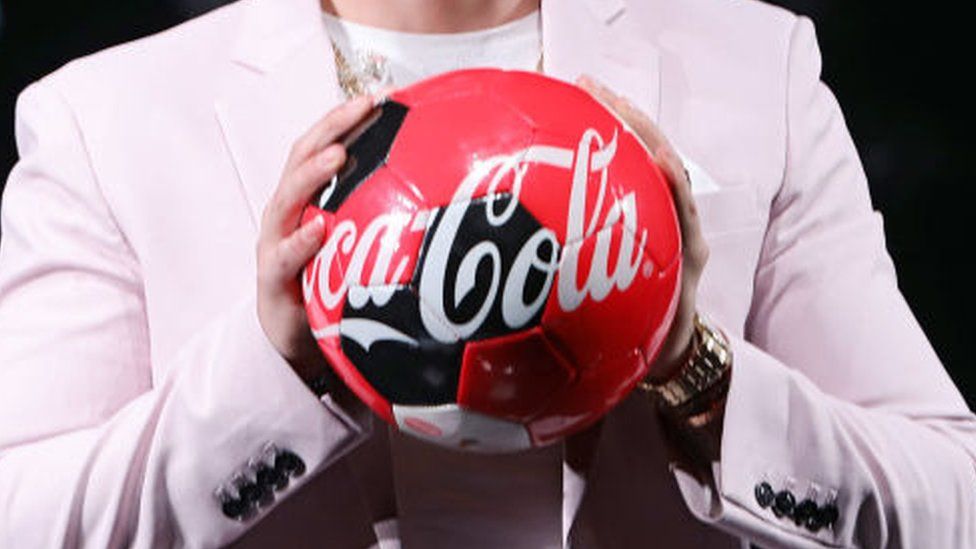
[(899, 74)]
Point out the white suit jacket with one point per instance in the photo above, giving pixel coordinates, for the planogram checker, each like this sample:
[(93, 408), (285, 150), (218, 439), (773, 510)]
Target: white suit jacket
[(136, 382)]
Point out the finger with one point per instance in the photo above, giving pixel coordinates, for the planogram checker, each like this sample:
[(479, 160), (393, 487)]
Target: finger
[(294, 252), (645, 128), (677, 175), (694, 249), (680, 189), (300, 186), (634, 118), (694, 246), (329, 128), (615, 105), (282, 212)]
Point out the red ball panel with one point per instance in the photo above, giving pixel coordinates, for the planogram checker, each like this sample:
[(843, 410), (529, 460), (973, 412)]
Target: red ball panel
[(592, 317), (379, 231), (561, 190), (553, 105), (634, 172), (664, 302), (442, 144), (513, 376), (594, 393)]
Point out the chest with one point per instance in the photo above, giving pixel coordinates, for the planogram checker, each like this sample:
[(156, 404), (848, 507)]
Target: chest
[(195, 232)]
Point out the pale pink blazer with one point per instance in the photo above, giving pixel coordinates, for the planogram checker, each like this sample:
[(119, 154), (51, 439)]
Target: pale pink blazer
[(135, 379)]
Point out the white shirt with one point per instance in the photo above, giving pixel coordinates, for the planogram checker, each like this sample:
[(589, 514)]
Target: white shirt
[(388, 57), (438, 489)]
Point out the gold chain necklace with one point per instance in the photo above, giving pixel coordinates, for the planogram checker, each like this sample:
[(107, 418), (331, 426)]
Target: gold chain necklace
[(351, 81)]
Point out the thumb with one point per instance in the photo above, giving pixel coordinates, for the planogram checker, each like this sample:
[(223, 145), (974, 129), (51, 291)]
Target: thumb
[(299, 248)]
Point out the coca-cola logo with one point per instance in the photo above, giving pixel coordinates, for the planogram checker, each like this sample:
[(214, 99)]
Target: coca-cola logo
[(468, 283)]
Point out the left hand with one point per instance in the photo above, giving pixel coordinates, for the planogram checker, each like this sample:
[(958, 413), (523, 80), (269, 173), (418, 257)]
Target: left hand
[(694, 251)]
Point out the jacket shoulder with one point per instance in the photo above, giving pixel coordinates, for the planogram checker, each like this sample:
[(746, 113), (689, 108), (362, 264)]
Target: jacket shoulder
[(751, 15), (186, 53), (745, 31)]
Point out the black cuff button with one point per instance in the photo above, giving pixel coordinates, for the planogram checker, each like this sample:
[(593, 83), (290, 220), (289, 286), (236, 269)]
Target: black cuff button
[(764, 494), (233, 508), (783, 504), (288, 463), (271, 477), (803, 511), (252, 493), (813, 522), (828, 514)]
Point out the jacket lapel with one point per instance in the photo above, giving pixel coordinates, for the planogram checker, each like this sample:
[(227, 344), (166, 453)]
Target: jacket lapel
[(590, 36), (282, 79)]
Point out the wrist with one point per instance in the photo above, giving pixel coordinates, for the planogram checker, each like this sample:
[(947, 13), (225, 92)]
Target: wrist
[(691, 402), (314, 371), (667, 366), (699, 379)]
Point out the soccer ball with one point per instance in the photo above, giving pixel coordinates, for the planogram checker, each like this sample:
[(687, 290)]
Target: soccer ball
[(501, 261)]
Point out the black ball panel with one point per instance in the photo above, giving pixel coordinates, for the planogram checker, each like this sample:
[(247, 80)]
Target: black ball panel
[(419, 372), (367, 148), (509, 239)]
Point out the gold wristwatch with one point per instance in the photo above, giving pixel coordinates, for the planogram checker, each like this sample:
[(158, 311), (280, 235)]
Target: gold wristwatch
[(705, 372)]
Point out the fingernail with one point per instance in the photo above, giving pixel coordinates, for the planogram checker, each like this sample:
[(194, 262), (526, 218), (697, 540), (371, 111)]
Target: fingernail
[(313, 228), (381, 95), (329, 157)]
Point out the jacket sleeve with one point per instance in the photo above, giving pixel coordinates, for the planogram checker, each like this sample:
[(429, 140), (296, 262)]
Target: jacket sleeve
[(836, 395), (98, 447)]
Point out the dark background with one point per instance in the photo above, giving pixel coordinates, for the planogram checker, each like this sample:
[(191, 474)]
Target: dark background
[(899, 75)]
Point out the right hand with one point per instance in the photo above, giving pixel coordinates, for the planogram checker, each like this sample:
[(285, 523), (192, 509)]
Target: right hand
[(283, 248)]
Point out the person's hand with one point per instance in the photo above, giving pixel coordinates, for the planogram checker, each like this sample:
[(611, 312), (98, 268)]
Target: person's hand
[(694, 249), (283, 248)]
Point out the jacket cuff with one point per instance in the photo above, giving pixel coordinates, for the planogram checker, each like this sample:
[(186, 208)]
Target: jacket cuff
[(246, 413), (753, 452)]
